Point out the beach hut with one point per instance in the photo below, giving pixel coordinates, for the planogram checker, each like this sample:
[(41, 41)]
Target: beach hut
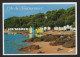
[(35, 30), (55, 28), (9, 29), (16, 28), (23, 28), (38, 30), (60, 29), (41, 30), (30, 29), (12, 28), (48, 28), (65, 27), (68, 27), (73, 29), (19, 29), (26, 28), (45, 28)]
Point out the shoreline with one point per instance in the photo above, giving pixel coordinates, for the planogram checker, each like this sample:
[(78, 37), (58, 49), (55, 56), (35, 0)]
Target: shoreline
[(47, 32), (6, 31), (46, 48)]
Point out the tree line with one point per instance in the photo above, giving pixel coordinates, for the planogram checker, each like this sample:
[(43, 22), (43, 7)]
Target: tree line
[(52, 18)]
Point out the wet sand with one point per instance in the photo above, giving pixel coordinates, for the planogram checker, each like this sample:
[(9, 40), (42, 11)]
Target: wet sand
[(47, 49)]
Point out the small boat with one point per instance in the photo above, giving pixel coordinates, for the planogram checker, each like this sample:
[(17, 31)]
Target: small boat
[(25, 34)]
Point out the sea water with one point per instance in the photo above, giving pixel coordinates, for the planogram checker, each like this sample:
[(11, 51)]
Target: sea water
[(12, 42)]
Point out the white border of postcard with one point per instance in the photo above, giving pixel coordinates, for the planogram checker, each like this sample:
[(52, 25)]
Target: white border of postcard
[(41, 3)]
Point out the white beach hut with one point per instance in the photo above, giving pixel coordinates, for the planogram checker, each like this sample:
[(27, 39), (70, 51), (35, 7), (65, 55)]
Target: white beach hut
[(68, 27), (55, 28), (23, 28), (60, 29), (73, 29), (48, 28), (45, 28), (19, 29), (16, 28), (12, 28), (26, 28), (65, 27)]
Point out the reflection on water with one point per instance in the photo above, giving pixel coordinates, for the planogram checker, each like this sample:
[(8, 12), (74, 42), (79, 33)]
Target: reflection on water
[(35, 35), (31, 35), (38, 35), (12, 42)]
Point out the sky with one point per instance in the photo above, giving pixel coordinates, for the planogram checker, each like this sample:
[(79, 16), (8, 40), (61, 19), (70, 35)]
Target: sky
[(20, 10)]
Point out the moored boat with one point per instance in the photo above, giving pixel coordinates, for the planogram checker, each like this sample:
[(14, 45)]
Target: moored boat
[(25, 34)]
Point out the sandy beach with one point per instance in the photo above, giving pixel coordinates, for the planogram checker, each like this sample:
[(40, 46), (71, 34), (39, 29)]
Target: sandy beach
[(58, 32), (47, 49)]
